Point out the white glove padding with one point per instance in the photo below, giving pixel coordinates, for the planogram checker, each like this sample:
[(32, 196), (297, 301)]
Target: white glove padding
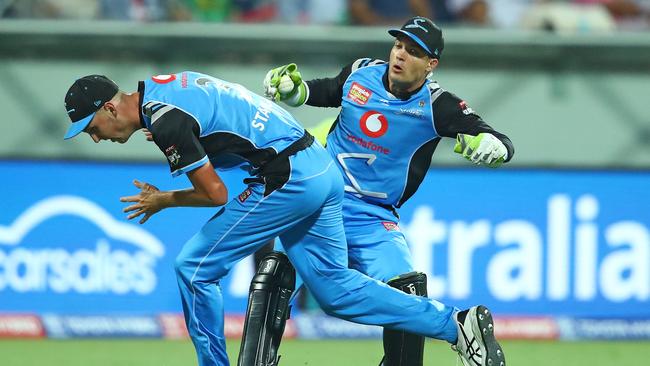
[(282, 83), (484, 148), (270, 90)]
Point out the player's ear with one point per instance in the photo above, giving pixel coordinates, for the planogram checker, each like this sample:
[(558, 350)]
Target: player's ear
[(433, 63), (110, 108)]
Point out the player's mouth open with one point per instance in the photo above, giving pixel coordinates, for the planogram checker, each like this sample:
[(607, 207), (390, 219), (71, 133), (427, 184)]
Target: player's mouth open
[(397, 68)]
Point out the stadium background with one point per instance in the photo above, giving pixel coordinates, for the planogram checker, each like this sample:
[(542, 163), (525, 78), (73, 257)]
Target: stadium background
[(557, 242)]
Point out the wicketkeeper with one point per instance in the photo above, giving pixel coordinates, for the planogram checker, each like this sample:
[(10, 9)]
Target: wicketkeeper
[(391, 120)]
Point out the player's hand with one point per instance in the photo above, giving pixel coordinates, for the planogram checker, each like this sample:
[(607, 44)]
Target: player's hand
[(147, 134), (484, 148), (285, 84), (147, 202)]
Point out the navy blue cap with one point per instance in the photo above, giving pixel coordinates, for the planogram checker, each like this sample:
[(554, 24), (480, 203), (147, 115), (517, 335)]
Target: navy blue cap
[(423, 32), (84, 98)]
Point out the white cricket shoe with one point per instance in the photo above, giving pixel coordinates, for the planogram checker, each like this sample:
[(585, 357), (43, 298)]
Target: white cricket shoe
[(476, 343)]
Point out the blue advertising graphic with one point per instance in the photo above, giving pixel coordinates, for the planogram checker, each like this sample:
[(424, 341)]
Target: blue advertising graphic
[(525, 242), (66, 246), (535, 242)]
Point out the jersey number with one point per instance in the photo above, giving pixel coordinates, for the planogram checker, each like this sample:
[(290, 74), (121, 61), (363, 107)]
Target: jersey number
[(355, 188)]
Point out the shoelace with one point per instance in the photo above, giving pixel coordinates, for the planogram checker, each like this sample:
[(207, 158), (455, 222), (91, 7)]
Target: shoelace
[(472, 351)]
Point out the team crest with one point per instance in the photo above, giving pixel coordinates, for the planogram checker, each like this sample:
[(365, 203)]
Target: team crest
[(173, 155), (467, 110), (244, 195), (390, 226), (421, 104)]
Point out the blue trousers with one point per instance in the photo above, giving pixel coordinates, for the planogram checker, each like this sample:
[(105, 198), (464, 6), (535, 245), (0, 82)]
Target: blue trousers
[(378, 249), (376, 245), (306, 215)]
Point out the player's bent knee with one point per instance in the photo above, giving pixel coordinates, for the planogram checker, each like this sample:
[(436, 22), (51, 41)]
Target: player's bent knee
[(181, 266), (187, 266), (329, 308), (333, 303), (347, 280)]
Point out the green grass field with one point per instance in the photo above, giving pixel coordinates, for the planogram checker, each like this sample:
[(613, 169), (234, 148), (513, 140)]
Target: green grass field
[(313, 353)]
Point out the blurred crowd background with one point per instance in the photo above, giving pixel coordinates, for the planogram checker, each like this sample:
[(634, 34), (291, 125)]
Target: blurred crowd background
[(504, 14)]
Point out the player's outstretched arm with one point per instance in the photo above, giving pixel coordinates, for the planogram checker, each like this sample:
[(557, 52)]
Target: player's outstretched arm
[(285, 84), (475, 139)]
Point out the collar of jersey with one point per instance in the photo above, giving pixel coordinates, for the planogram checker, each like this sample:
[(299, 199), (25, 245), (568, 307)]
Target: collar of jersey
[(141, 99)]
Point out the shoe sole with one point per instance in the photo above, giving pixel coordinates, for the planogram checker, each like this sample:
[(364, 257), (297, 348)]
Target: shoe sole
[(494, 354)]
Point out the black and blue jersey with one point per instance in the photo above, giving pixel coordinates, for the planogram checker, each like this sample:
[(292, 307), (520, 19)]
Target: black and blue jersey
[(383, 143), (195, 118)]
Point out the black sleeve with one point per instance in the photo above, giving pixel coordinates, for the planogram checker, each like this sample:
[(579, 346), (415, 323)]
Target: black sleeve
[(328, 92), (177, 135), (452, 116)]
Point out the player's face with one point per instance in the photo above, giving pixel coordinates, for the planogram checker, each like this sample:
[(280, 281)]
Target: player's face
[(409, 65), (106, 126)]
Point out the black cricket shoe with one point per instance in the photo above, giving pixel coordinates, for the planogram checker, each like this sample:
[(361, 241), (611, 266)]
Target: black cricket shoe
[(476, 343)]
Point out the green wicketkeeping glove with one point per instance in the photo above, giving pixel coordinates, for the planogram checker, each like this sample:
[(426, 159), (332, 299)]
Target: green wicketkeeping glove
[(285, 84), (484, 148)]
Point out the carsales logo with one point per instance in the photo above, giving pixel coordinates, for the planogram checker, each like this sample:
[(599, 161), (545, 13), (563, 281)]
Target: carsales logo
[(374, 124), (100, 268)]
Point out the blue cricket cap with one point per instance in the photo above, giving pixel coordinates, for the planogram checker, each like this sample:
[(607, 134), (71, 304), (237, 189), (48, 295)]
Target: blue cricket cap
[(84, 98), (423, 32)]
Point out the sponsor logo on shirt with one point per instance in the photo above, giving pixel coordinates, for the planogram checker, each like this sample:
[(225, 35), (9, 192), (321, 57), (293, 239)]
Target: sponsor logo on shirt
[(390, 226), (411, 112), (368, 144), (359, 94), (374, 124), (184, 80), (467, 110), (244, 195), (173, 155), (163, 79)]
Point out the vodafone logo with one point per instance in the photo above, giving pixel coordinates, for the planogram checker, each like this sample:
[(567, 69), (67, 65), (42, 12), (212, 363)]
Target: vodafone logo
[(374, 124), (163, 79)]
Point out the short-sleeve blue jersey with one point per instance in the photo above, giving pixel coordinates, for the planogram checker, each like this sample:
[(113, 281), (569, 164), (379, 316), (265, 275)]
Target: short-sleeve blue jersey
[(195, 117)]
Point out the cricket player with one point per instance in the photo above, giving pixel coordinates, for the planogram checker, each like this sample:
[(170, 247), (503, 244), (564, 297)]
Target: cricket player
[(391, 120), (294, 192)]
